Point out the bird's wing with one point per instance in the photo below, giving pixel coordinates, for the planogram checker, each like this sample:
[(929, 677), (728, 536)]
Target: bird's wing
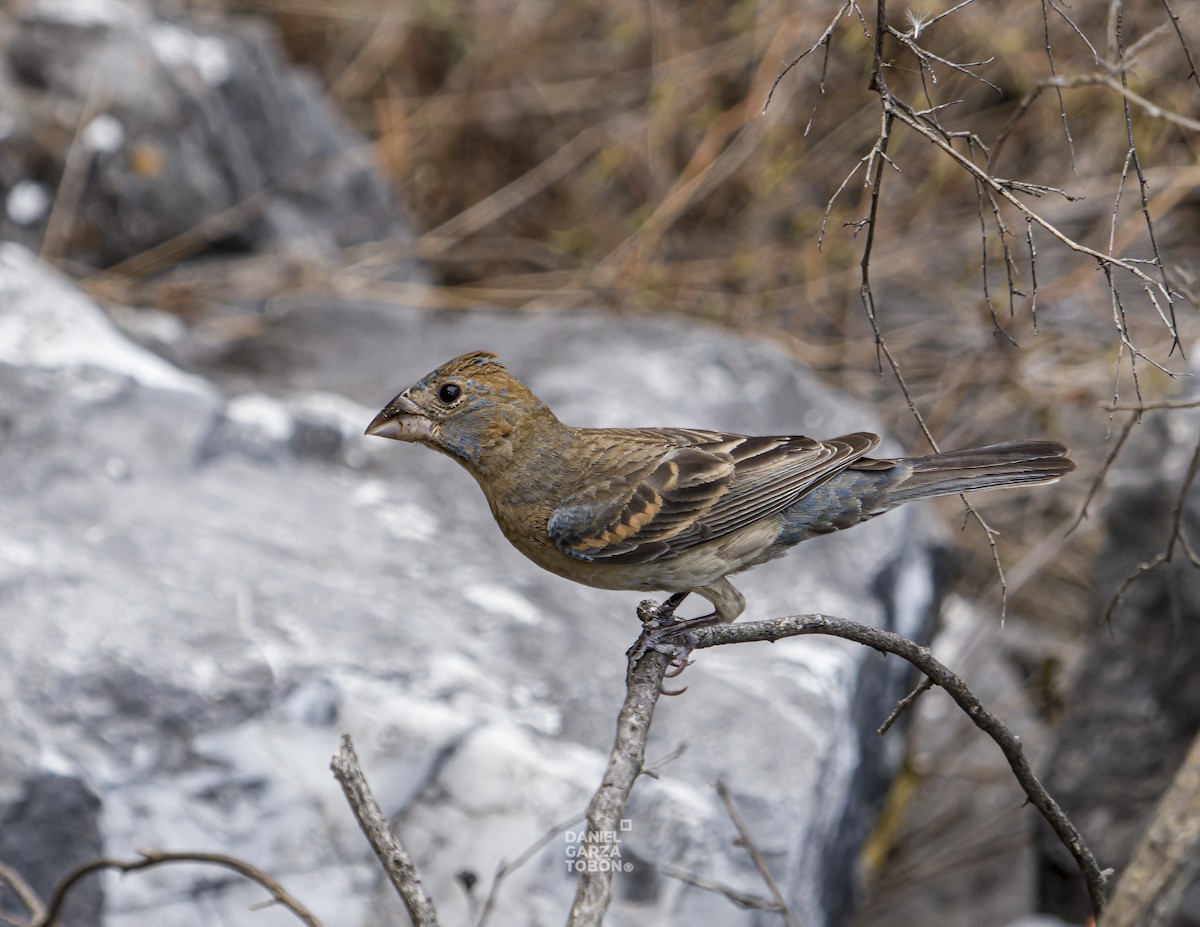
[(690, 487)]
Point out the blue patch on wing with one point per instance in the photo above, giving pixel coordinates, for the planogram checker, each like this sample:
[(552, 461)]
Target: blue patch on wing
[(568, 525)]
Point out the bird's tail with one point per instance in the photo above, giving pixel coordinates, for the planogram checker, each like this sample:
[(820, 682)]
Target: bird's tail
[(1009, 464)]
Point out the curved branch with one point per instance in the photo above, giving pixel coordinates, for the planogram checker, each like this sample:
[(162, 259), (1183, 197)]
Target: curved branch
[(151, 859), (921, 657)]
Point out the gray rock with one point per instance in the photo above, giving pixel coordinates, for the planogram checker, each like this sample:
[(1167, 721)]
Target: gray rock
[(185, 124), (201, 594), (51, 827)]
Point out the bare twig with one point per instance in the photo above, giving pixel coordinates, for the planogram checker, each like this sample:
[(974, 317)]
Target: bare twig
[(922, 687), (822, 41), (1104, 79), (925, 56), (1004, 189), (760, 863), (505, 869), (392, 855), (1177, 539), (151, 859), (1098, 481), (1187, 52), (741, 899), (644, 687), (954, 9), (1062, 106), (1137, 166)]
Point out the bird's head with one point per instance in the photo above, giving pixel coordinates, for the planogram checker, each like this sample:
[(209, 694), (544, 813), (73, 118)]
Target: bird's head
[(466, 408)]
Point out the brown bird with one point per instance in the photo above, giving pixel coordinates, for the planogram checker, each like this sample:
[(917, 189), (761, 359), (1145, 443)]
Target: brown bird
[(671, 509)]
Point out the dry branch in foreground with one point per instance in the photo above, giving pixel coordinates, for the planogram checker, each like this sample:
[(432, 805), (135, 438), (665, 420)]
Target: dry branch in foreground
[(626, 760), (47, 915), (392, 855)]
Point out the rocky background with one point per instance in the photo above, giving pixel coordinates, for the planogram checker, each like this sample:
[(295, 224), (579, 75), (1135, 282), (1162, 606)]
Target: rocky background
[(208, 286)]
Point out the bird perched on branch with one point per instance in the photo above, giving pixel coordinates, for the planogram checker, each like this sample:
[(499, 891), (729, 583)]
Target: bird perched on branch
[(671, 509)]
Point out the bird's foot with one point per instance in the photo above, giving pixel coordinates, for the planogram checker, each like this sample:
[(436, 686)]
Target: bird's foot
[(664, 633)]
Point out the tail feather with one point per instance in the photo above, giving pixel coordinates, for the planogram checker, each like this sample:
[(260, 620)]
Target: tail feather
[(1009, 464)]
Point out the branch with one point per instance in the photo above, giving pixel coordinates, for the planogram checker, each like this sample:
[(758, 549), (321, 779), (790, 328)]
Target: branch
[(505, 869), (920, 657), (645, 680), (1004, 188), (739, 898), (625, 764), (392, 855), (1178, 539), (151, 859), (921, 688)]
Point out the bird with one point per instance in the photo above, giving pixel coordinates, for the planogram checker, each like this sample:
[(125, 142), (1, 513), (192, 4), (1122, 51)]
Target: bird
[(675, 510)]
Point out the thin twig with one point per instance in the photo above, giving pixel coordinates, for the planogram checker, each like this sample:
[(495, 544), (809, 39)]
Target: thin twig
[(1098, 481), (1177, 538), (874, 170), (741, 899), (760, 863), (1187, 52), (1142, 186), (1101, 78), (823, 40), (922, 687), (505, 869), (392, 855), (1004, 188), (1062, 106)]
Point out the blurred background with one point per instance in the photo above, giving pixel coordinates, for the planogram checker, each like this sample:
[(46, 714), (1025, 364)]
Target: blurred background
[(298, 207)]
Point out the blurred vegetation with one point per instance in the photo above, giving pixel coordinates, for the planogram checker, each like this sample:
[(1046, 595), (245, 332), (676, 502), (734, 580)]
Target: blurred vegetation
[(584, 153)]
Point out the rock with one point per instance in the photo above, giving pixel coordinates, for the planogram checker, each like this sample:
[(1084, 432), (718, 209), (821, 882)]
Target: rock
[(1135, 706), (200, 594), (186, 125), (52, 827)]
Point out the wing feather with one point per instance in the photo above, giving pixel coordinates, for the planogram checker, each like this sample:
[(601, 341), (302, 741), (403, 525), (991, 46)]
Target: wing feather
[(674, 489)]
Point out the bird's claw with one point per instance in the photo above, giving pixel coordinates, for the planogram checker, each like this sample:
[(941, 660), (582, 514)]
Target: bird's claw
[(664, 633)]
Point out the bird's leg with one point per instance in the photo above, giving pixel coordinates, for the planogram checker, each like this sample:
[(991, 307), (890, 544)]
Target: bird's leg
[(666, 611), (690, 624), (661, 631)]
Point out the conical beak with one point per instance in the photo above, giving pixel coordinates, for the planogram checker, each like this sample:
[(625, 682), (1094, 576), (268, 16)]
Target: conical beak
[(400, 420)]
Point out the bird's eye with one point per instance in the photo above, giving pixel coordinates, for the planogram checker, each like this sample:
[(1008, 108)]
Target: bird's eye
[(449, 393)]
